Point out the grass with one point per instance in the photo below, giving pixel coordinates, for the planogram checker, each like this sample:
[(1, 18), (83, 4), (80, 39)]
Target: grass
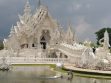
[(92, 76), (52, 66)]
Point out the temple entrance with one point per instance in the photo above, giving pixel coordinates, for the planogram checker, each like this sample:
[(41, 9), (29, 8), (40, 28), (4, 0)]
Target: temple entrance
[(43, 45), (43, 42), (44, 39)]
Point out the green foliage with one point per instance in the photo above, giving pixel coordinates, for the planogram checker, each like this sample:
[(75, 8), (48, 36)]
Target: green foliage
[(100, 34), (110, 50), (92, 45), (1, 46)]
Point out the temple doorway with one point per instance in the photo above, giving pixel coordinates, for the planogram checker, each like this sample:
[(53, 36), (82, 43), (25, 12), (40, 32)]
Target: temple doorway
[(44, 39), (43, 45), (43, 42)]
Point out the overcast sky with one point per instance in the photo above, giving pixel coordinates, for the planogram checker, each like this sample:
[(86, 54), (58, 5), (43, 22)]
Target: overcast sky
[(86, 16)]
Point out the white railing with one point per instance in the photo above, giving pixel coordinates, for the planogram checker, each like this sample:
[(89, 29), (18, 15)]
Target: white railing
[(69, 51), (73, 54), (31, 60)]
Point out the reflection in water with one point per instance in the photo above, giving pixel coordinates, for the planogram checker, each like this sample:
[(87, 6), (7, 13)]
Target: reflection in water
[(33, 75)]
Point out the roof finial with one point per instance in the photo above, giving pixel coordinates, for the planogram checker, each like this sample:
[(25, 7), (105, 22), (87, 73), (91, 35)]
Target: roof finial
[(27, 7), (69, 24), (39, 3)]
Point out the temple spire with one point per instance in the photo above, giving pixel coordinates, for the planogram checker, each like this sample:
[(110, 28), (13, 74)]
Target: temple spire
[(12, 31), (39, 3), (27, 7), (106, 40), (70, 27), (69, 37)]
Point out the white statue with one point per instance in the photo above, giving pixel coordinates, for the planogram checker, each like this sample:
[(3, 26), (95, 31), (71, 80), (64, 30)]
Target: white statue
[(105, 44)]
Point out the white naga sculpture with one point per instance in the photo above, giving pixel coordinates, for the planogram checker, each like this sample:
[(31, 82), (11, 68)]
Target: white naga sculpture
[(105, 44), (37, 29)]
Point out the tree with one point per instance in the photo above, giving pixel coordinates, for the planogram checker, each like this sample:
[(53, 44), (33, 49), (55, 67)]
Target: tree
[(1, 45), (100, 34)]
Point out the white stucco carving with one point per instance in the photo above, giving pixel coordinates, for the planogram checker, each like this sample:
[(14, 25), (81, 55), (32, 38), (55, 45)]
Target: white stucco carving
[(35, 29)]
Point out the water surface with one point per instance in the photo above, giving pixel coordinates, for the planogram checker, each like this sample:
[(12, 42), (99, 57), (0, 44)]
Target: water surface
[(39, 74)]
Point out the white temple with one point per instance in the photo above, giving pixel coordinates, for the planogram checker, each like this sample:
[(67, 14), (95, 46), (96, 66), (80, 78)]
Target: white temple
[(37, 30), (38, 38)]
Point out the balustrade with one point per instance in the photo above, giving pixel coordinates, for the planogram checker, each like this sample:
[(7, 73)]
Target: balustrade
[(23, 60)]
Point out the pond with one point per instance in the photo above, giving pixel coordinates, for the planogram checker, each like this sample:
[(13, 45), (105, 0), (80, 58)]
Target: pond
[(40, 74)]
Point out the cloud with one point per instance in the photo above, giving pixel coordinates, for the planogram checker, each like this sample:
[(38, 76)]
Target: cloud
[(77, 6), (82, 26), (88, 6), (106, 21), (10, 2), (9, 14), (83, 29), (87, 16)]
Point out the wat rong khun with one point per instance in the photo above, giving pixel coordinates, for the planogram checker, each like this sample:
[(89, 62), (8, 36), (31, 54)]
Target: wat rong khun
[(39, 39)]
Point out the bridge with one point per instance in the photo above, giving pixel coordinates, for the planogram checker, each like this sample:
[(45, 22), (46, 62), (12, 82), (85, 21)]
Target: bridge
[(74, 53), (73, 56)]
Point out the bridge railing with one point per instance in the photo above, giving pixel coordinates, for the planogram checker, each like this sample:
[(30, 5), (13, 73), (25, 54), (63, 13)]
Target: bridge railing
[(69, 51), (29, 60), (73, 54)]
